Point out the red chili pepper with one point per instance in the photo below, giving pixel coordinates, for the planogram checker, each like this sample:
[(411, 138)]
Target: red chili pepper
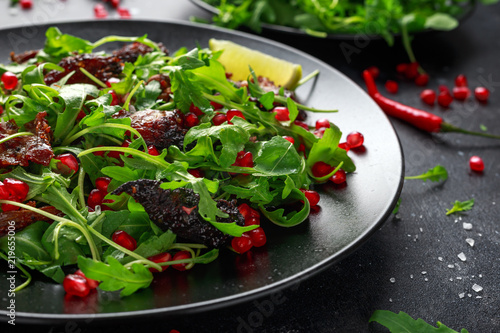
[(419, 118)]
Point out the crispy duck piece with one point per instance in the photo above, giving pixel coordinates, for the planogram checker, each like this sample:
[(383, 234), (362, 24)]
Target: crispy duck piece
[(21, 150), (102, 67), (177, 210), (166, 87), (24, 217), (23, 57), (160, 128)]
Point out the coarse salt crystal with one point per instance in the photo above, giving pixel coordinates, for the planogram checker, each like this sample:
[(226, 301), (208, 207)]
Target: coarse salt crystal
[(392, 280), (470, 241), (424, 272), (440, 258), (461, 256), (477, 288), (459, 278), (479, 296), (461, 295), (467, 226), (451, 266)]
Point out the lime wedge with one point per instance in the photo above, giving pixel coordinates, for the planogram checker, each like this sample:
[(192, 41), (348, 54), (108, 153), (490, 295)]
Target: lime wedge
[(237, 59)]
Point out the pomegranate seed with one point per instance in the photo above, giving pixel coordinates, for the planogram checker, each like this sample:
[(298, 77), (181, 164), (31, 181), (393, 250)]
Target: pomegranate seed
[(100, 11), (321, 169), (258, 237), (124, 13), (355, 139), (482, 94), (244, 159), (282, 113), (374, 71), (442, 88), (216, 105), (123, 239), (112, 80), (411, 71), (16, 188), (68, 164), (444, 99), (95, 198), (319, 132), (153, 151), (476, 164), (180, 256), (322, 123), (461, 81), (391, 86), (401, 68), (311, 196), (196, 110), (191, 119), (219, 119), (252, 221), (196, 172), (244, 210), (9, 80), (159, 258), (234, 113), (344, 145), (428, 96), (114, 3), (76, 285), (242, 244), (102, 183), (91, 283), (26, 4), (422, 79), (114, 100), (461, 93), (289, 139), (339, 177), (302, 148), (301, 124)]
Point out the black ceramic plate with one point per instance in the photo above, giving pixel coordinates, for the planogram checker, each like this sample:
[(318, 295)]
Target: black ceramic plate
[(348, 215), (467, 10)]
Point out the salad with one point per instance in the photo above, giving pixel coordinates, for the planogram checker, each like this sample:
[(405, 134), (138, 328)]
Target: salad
[(117, 165)]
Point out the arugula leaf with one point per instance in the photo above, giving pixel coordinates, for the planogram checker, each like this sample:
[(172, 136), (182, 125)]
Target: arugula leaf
[(434, 174), (290, 219), (114, 276), (29, 242), (276, 157), (460, 206), (404, 323)]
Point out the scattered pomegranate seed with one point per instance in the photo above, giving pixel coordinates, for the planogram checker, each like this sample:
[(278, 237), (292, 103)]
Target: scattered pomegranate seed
[(68, 165), (301, 124), (461, 81), (258, 237), (344, 145), (244, 159), (196, 173), (102, 183), (219, 119), (412, 70), (476, 164), (242, 244), (76, 285), (153, 151), (191, 120), (159, 258), (91, 283), (374, 71), (401, 68), (444, 99), (95, 198), (428, 96), (282, 113), (122, 238), (244, 210), (319, 132), (322, 123), (355, 140), (311, 196), (234, 113), (17, 189), (26, 4), (196, 110), (321, 169), (114, 3), (339, 177), (124, 13), (216, 105), (482, 94), (100, 11), (461, 93), (422, 79), (289, 139), (442, 88), (9, 80), (180, 256), (391, 86), (115, 100)]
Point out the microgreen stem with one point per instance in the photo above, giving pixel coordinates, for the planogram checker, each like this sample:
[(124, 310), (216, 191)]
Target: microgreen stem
[(166, 106), (88, 237), (93, 78), (219, 87), (124, 250), (325, 178), (153, 159), (81, 180), (10, 137), (131, 94), (307, 78), (87, 130), (21, 268), (113, 38)]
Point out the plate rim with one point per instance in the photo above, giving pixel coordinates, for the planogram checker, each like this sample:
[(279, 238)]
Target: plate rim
[(221, 302)]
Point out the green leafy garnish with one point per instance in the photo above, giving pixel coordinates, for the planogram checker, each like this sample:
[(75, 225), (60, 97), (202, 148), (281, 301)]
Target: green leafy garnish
[(403, 323), (436, 174), (460, 206)]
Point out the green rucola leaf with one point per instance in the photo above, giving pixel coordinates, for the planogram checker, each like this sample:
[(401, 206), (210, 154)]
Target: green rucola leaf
[(114, 276), (460, 206), (435, 174), (403, 323)]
